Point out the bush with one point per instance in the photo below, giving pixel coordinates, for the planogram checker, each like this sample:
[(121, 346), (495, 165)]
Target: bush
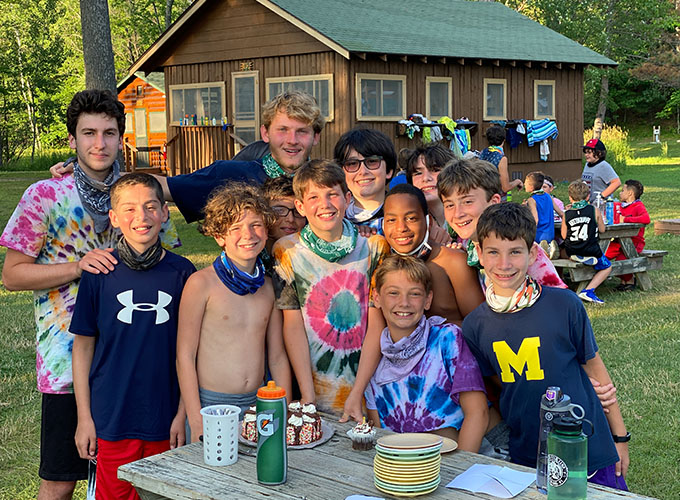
[(41, 161), (616, 141)]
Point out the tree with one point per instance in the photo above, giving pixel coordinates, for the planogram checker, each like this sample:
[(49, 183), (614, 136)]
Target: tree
[(100, 72)]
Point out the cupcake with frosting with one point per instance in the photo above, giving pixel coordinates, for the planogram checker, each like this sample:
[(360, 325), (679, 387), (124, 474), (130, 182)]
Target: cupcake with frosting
[(362, 436)]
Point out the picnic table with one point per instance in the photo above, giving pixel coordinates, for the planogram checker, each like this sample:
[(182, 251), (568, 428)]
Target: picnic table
[(634, 263), (330, 471)]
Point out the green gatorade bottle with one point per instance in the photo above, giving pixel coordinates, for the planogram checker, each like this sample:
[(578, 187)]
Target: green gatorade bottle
[(272, 415)]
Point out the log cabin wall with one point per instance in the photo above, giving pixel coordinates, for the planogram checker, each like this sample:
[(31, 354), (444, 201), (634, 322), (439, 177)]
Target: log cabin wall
[(242, 31)]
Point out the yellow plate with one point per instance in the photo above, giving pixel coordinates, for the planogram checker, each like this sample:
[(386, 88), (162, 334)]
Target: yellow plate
[(407, 465), (402, 494), (410, 440), (407, 474), (403, 479)]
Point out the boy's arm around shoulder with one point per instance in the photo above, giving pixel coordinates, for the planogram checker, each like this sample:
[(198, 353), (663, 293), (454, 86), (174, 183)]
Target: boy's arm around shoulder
[(191, 311), (596, 369), (464, 280), (276, 352), (86, 435)]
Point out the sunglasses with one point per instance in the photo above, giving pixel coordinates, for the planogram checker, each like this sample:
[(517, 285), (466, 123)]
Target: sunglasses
[(353, 164), (282, 211)]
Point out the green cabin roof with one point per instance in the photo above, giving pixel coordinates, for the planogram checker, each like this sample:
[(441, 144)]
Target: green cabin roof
[(438, 28)]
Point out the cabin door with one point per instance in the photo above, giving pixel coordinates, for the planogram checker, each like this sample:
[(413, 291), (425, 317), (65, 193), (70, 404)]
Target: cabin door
[(141, 138), (245, 98)]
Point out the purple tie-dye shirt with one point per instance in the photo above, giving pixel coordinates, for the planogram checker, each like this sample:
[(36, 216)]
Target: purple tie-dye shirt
[(51, 225), (427, 398)]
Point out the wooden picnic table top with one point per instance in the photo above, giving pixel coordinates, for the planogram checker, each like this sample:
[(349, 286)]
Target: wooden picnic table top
[(621, 230), (329, 471)]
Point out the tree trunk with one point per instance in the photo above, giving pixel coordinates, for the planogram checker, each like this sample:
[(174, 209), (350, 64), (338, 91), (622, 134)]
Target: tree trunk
[(168, 13), (100, 72)]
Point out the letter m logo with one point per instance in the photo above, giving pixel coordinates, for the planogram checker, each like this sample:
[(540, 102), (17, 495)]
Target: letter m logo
[(527, 356)]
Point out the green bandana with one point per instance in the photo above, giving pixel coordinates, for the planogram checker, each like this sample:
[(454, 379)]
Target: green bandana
[(578, 205), (272, 168), (331, 251), (472, 257)]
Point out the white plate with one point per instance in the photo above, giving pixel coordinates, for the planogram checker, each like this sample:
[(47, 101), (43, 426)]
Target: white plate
[(410, 441), (327, 432)]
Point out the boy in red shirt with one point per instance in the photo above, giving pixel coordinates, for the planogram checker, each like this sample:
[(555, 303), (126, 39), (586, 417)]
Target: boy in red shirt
[(632, 210)]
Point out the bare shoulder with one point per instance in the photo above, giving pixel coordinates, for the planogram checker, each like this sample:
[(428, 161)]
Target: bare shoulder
[(448, 257)]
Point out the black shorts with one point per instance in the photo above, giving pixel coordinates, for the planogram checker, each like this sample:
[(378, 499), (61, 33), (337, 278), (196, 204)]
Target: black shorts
[(59, 459)]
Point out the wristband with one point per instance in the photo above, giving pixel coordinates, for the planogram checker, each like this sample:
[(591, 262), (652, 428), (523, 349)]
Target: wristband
[(621, 439)]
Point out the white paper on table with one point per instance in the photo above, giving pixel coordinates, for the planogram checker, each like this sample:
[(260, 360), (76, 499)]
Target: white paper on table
[(362, 497), (502, 482)]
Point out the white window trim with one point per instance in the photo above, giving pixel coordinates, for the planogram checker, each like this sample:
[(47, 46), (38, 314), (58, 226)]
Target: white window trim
[(438, 79), (197, 86), (377, 76), (246, 123), (504, 82), (536, 84), (301, 78)]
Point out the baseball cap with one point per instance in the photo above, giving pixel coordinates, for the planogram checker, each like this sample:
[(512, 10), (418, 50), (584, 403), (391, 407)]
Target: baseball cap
[(594, 144)]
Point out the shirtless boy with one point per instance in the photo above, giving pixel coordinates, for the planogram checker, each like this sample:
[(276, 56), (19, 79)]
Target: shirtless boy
[(227, 315), (455, 287)]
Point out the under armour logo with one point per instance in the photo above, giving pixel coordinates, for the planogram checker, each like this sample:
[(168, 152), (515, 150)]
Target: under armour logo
[(125, 314)]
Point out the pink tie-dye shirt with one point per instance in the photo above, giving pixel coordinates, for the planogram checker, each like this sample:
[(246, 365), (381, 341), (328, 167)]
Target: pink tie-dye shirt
[(51, 225)]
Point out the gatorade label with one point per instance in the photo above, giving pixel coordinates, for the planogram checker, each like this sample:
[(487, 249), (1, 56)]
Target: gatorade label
[(267, 425)]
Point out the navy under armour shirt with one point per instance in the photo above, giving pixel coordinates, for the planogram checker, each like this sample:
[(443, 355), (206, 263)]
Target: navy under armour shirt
[(133, 315)]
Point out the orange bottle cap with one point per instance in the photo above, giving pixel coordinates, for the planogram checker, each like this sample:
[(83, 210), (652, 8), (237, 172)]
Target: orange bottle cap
[(271, 391)]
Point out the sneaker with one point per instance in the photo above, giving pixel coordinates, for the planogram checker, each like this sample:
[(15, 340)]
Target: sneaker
[(553, 250), (625, 287), (544, 245), (589, 296), (588, 261)]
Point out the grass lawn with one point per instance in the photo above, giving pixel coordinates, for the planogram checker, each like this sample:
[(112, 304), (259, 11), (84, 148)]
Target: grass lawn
[(638, 334)]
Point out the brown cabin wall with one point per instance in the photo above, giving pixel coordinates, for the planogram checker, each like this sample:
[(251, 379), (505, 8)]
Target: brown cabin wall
[(152, 100)]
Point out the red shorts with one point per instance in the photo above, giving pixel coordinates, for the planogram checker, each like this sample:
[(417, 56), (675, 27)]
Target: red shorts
[(113, 454)]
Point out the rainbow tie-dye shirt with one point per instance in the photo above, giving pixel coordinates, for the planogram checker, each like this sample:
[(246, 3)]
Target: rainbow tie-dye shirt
[(51, 225), (334, 300)]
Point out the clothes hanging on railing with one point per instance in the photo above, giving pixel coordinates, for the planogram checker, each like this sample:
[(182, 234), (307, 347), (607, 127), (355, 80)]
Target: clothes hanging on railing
[(539, 130)]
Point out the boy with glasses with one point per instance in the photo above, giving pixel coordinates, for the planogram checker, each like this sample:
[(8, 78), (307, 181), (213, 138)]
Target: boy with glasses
[(279, 194)]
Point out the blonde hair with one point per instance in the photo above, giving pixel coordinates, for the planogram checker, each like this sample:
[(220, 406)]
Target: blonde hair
[(578, 190), (297, 105), (324, 173), (228, 204), (415, 269)]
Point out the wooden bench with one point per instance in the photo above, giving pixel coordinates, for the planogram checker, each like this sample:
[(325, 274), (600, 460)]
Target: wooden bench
[(664, 226), (581, 274)]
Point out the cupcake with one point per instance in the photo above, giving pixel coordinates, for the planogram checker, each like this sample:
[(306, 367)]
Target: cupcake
[(362, 436)]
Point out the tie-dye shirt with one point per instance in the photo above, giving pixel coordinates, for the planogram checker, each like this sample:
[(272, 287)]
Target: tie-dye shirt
[(334, 300), (427, 398), (51, 225)]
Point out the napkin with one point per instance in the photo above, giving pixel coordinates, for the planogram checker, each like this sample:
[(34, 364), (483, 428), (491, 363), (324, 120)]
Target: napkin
[(502, 482)]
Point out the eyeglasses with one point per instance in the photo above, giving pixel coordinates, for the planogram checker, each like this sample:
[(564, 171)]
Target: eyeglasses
[(353, 164), (282, 211)]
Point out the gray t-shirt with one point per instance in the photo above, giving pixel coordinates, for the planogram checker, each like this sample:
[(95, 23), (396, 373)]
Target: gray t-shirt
[(598, 176)]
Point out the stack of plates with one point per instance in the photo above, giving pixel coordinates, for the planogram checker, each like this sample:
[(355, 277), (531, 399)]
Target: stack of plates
[(407, 465)]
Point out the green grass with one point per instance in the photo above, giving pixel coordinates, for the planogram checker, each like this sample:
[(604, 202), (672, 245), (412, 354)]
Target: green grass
[(638, 334)]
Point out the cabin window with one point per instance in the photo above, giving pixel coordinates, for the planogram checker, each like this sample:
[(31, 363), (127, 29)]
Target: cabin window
[(140, 90), (380, 97), (438, 96), (200, 99), (128, 123), (320, 86), (544, 99), (157, 121), (494, 99), (245, 90)]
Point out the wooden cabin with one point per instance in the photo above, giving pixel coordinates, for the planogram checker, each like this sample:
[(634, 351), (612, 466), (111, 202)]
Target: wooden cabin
[(145, 120), (368, 64)]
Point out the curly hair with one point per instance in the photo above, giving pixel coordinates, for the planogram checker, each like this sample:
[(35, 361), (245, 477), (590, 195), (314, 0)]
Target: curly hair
[(278, 188), (94, 102), (228, 204)]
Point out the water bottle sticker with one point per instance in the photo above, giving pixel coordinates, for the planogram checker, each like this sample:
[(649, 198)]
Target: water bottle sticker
[(267, 425), (558, 472), (549, 416), (551, 395)]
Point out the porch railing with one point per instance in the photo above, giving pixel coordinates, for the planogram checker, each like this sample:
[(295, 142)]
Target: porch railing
[(196, 146), (150, 160)]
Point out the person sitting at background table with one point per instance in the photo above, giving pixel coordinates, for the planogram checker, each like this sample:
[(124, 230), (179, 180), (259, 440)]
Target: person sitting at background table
[(427, 379), (495, 155), (581, 226)]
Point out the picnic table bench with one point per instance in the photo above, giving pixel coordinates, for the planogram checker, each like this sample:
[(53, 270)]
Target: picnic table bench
[(330, 471), (634, 263)]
